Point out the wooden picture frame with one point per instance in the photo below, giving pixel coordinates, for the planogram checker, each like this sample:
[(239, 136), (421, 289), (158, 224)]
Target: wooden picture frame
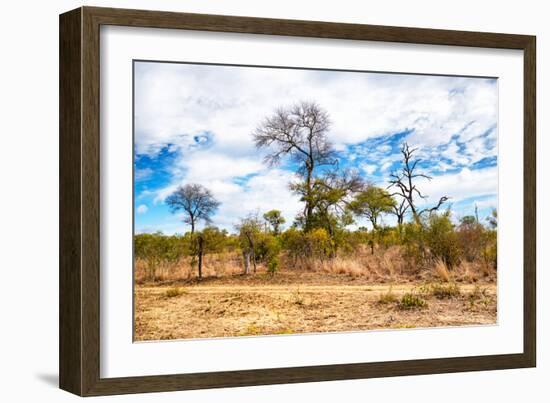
[(79, 348)]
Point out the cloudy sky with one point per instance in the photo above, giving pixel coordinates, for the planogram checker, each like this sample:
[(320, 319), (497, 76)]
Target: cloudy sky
[(193, 124)]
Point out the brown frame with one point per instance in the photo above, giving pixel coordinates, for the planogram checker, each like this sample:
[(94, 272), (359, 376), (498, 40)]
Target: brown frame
[(79, 322)]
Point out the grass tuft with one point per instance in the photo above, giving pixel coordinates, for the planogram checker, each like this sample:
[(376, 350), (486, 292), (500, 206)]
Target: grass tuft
[(442, 271), (412, 301), (443, 291), (174, 292), (387, 297)]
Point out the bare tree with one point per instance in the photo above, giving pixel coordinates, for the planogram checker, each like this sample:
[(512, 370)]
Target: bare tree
[(196, 201), (406, 188), (299, 131), (399, 210)]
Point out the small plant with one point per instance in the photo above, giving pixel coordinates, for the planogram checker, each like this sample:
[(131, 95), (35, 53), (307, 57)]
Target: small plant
[(284, 331), (174, 292), (478, 295), (412, 301), (273, 266), (442, 291), (251, 330), (405, 326)]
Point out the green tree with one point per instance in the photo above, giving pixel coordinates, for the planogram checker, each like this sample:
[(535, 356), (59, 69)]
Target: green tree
[(249, 229), (209, 240), (330, 196), (275, 220), (371, 203)]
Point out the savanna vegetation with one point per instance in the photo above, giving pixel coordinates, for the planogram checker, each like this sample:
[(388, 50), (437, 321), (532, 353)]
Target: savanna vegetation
[(321, 272)]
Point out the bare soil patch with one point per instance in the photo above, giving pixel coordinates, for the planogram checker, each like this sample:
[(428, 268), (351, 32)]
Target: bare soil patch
[(291, 303)]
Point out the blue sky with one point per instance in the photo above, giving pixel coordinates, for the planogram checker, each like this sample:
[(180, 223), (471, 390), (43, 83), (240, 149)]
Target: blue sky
[(193, 124)]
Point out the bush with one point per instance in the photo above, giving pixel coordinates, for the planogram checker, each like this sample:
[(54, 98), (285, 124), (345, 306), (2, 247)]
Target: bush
[(174, 292), (442, 239), (315, 244), (470, 234), (443, 291), (157, 248), (267, 247), (273, 265), (413, 242), (412, 301), (489, 248)]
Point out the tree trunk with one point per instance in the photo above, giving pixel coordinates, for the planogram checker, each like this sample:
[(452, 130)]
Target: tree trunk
[(254, 259), (200, 252), (246, 258), (309, 206)]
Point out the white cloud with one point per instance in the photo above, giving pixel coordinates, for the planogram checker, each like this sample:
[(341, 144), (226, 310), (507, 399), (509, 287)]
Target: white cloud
[(175, 102), (142, 174), (368, 168), (459, 186), (265, 191), (142, 209)]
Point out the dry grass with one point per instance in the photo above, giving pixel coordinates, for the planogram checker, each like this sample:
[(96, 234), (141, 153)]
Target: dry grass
[(441, 270), (386, 265), (174, 292), (214, 265), (360, 292), (388, 297), (233, 308)]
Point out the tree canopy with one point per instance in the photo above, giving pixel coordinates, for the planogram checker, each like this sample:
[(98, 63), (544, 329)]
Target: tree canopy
[(196, 201)]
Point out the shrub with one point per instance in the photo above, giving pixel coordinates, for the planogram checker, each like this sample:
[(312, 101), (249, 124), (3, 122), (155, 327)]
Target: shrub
[(413, 242), (442, 239), (267, 247), (273, 265), (442, 291), (489, 248), (412, 301), (157, 248), (470, 234), (315, 244)]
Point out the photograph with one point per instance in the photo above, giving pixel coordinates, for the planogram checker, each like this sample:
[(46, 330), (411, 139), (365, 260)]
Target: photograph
[(278, 200)]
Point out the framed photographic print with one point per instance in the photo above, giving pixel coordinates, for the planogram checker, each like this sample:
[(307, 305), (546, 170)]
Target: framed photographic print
[(249, 201)]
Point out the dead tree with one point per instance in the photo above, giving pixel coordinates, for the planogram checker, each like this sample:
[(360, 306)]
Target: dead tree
[(399, 210), (406, 188)]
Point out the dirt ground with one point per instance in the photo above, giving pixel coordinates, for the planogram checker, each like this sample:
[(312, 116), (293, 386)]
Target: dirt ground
[(301, 303)]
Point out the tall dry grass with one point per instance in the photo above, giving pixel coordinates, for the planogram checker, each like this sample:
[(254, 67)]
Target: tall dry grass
[(385, 265), (214, 265)]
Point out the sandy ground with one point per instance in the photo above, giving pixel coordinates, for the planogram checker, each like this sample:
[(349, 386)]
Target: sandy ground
[(259, 306)]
